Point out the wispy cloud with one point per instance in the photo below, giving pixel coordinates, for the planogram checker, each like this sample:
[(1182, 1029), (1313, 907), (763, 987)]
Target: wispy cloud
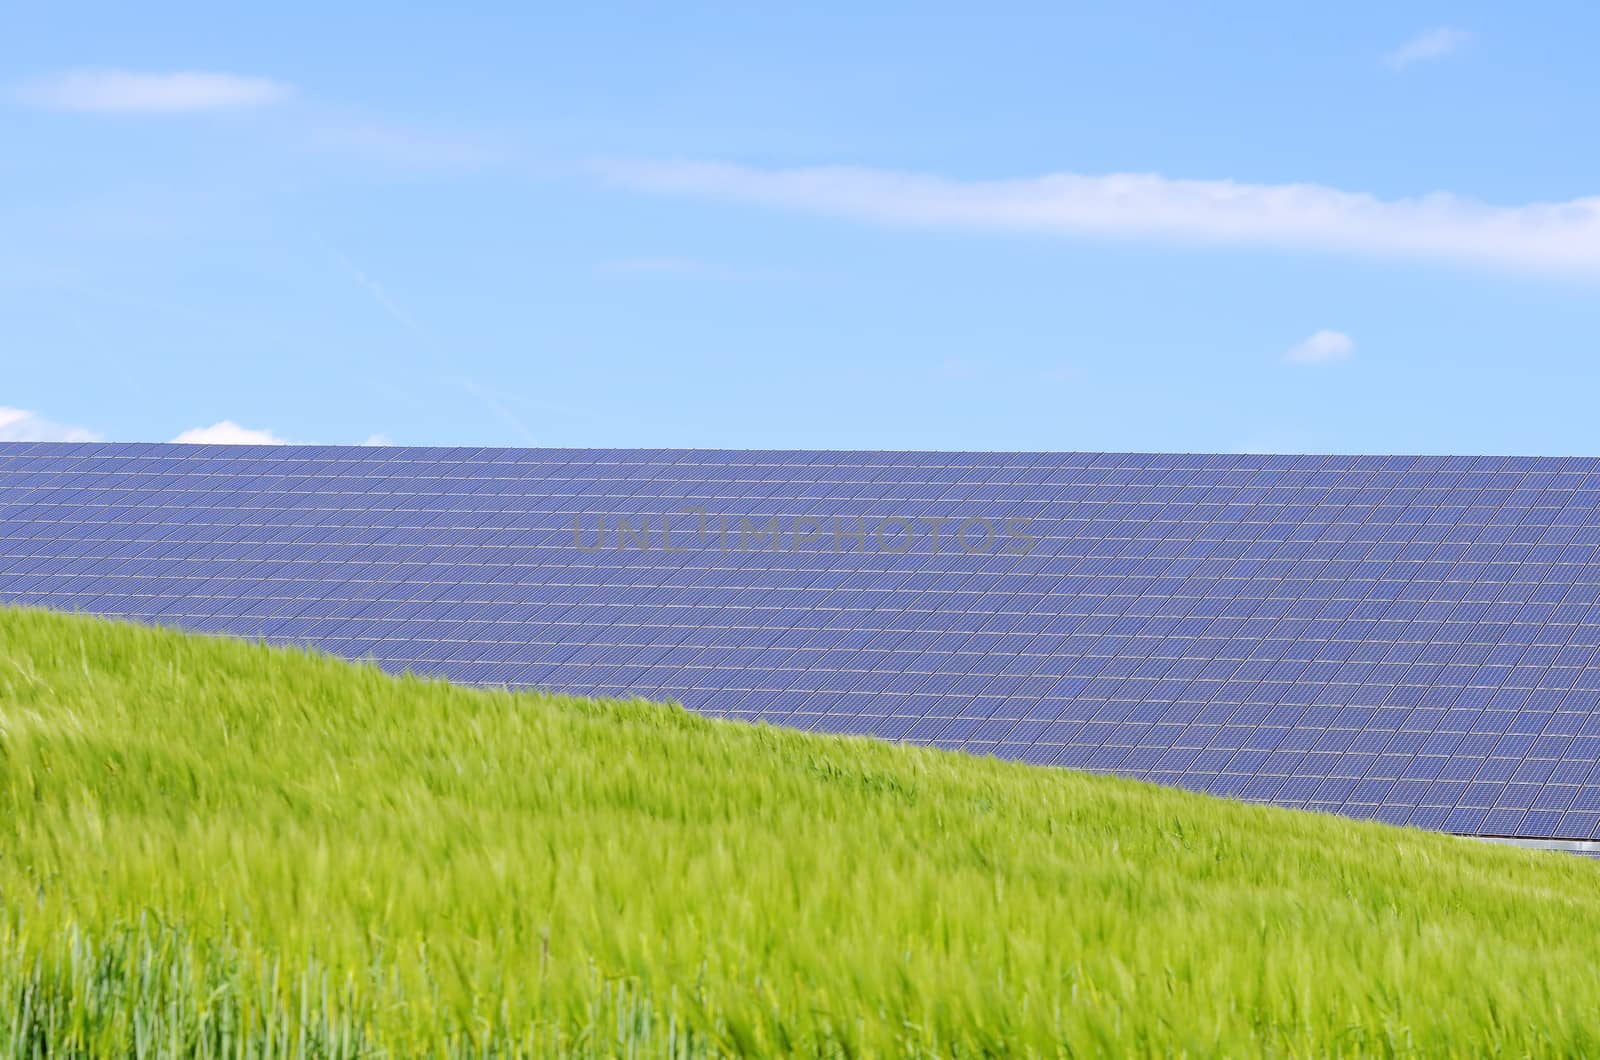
[(1541, 236), (128, 91), (226, 432), (1427, 46), (21, 425), (1321, 347)]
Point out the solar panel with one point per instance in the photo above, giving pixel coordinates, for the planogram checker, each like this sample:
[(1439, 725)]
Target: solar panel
[(1410, 639)]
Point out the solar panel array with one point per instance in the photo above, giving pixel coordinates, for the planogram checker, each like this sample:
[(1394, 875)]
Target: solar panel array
[(1406, 638)]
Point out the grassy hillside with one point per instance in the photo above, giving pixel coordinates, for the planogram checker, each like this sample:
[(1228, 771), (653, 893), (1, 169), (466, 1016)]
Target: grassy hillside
[(215, 848)]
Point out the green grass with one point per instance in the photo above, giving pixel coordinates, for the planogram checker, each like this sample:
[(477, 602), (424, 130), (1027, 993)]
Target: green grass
[(215, 848)]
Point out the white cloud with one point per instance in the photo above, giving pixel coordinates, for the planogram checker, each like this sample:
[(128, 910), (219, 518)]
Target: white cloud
[(378, 439), (127, 91), (20, 425), (1427, 46), (1321, 347), (1540, 236), (226, 432)]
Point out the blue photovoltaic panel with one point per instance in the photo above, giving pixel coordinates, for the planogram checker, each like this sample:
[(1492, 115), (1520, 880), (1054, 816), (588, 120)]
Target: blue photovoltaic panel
[(1404, 638)]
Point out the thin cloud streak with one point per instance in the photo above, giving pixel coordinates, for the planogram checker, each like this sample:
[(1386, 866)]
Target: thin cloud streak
[(1543, 237), (379, 293), (127, 91), (397, 313), (1427, 46)]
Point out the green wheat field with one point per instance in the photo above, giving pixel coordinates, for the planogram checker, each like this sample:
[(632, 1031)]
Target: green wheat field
[(214, 848)]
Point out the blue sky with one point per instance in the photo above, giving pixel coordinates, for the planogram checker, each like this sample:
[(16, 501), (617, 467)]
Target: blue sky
[(1131, 226)]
